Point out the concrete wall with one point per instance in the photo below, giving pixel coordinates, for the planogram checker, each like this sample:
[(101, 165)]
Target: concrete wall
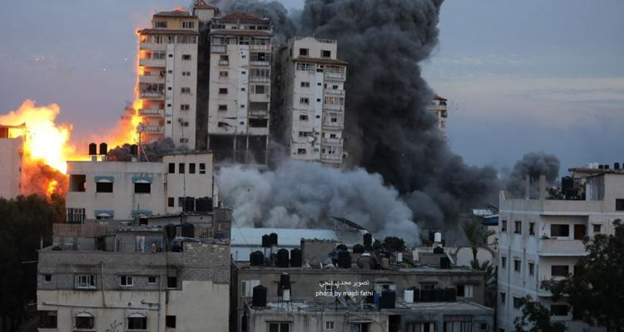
[(10, 167), (190, 185), (313, 321)]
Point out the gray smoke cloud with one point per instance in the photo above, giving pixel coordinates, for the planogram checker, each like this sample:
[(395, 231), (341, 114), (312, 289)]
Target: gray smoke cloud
[(389, 130), (151, 152), (305, 195), (532, 164)]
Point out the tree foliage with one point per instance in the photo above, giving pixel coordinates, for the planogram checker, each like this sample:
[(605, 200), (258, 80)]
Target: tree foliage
[(596, 290), (24, 223), (394, 243), (535, 318), (477, 235)]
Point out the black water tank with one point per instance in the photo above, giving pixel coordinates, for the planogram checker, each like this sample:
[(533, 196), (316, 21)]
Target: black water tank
[(296, 258), (282, 258), (134, 150), (92, 149), (616, 166), (342, 247), (438, 250), (284, 283), (358, 249), (344, 260), (601, 166), (274, 239), (103, 149), (203, 204), (450, 294), (427, 295), (387, 300), (606, 166), (188, 230), (438, 295), (416, 294), (256, 258), (266, 241), (170, 230), (567, 183), (259, 296), (368, 240), (189, 204), (445, 262)]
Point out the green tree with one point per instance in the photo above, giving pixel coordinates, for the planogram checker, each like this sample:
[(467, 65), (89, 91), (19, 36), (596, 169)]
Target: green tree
[(394, 243), (535, 318), (477, 235), (596, 290)]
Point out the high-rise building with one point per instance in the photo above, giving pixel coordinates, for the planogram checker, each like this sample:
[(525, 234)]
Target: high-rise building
[(11, 150), (439, 108), (541, 238), (314, 93), (240, 87), (168, 78)]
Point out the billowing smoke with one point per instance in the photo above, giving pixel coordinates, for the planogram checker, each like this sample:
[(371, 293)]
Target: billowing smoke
[(389, 129), (149, 152), (306, 195), (533, 164)]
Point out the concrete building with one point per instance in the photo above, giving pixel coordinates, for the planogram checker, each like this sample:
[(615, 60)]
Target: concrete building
[(168, 78), (133, 279), (126, 191), (541, 236), (439, 107), (312, 297), (11, 152), (314, 92), (240, 87)]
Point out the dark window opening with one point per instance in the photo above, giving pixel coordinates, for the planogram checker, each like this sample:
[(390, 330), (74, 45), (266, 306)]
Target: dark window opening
[(559, 310), (518, 227), (181, 168), (151, 279), (325, 54), (503, 225), (559, 270), (532, 228), (303, 52), (104, 187), (170, 321), (85, 323), (172, 168), (48, 319), (202, 168), (77, 183), (619, 204), (560, 230), (170, 201), (192, 168), (47, 277), (172, 282), (142, 188), (258, 123), (137, 323)]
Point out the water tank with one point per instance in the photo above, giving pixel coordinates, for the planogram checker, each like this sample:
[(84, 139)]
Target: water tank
[(170, 231), (387, 300), (92, 149), (274, 241), (450, 294), (438, 295), (286, 295), (600, 166), (616, 166), (134, 150), (438, 250), (344, 260), (103, 149), (358, 249), (296, 258), (259, 297), (416, 294), (445, 262), (437, 237), (366, 262), (188, 230), (266, 241), (256, 258), (284, 283), (342, 247), (189, 204), (282, 258), (399, 257), (408, 295), (203, 204), (368, 241)]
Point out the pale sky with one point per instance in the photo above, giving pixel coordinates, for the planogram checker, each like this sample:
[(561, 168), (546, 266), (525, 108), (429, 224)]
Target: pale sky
[(521, 75)]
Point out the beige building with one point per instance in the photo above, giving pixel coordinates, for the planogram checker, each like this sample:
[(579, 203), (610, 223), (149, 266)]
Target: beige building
[(168, 78), (439, 107), (11, 155), (240, 87), (125, 191), (314, 92), (540, 238)]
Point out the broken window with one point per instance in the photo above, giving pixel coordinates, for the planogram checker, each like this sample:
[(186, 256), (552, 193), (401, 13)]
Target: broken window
[(301, 151), (77, 183), (304, 52)]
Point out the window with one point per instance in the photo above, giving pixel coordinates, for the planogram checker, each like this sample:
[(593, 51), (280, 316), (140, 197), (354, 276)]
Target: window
[(126, 281), (325, 54), (142, 188), (531, 228), (303, 117), (77, 183), (84, 321), (137, 323), (75, 216), (531, 268), (151, 280), (47, 278), (259, 89), (465, 291), (170, 201), (518, 227), (186, 73), (186, 57), (223, 73), (421, 327), (301, 151), (170, 321), (331, 289), (188, 25), (224, 60), (619, 204), (597, 228), (559, 270), (172, 282), (85, 281), (172, 168), (502, 297), (202, 168), (184, 123), (185, 90), (304, 101), (504, 262), (516, 302), (48, 319), (329, 325), (223, 91), (104, 187), (184, 140), (559, 310), (304, 52), (160, 24), (222, 107), (279, 327), (560, 230), (305, 84), (181, 168), (517, 263), (185, 107), (503, 225)]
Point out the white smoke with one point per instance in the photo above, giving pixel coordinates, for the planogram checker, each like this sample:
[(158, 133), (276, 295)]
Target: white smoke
[(306, 195)]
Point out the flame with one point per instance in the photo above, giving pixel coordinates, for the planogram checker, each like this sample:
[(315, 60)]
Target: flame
[(180, 9), (52, 187), (43, 139)]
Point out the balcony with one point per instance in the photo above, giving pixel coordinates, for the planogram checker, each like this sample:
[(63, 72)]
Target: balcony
[(224, 63), (259, 63), (565, 247), (258, 113), (331, 157), (335, 76), (333, 107), (150, 129), (259, 79), (332, 141), (148, 112), (152, 63), (154, 79), (333, 125), (254, 47), (334, 92), (151, 95), (153, 46)]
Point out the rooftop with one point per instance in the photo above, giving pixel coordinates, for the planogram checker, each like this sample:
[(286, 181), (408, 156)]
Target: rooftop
[(436, 97), (174, 13), (298, 306), (201, 4), (168, 32)]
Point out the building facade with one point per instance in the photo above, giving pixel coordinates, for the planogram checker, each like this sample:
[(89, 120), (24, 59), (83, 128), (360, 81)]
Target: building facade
[(439, 107), (240, 87), (11, 150), (167, 78), (314, 91), (540, 238)]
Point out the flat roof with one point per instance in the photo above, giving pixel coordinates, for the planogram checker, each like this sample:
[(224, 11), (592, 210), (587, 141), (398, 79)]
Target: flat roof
[(298, 306), (168, 32)]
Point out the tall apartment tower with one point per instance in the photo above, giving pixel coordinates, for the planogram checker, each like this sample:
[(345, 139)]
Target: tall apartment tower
[(240, 87), (314, 82), (168, 78), (439, 108)]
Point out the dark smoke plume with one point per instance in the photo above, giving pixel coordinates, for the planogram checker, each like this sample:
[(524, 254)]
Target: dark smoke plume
[(532, 164)]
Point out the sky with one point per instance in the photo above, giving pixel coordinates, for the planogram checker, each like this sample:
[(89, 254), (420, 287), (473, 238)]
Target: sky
[(520, 76)]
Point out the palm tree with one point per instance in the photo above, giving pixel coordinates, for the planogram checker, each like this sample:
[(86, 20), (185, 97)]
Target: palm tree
[(477, 236)]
